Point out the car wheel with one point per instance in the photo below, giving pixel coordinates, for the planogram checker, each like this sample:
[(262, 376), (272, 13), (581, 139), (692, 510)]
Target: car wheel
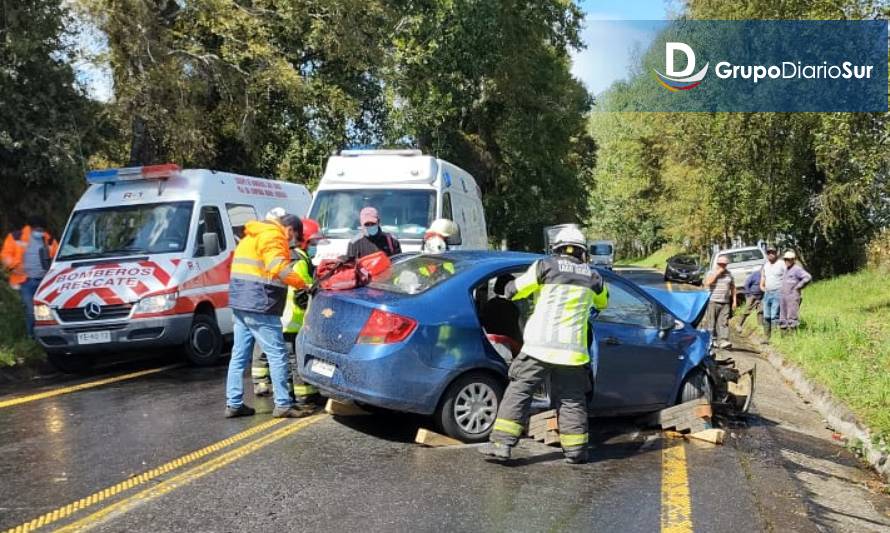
[(695, 386), (204, 342), (469, 407), (71, 363)]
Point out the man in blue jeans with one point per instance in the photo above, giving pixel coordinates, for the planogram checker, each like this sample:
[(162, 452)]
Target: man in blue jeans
[(262, 270), (770, 283)]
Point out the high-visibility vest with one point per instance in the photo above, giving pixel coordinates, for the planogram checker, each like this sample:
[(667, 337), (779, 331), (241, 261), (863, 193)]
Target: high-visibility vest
[(13, 253), (293, 316), (566, 290)]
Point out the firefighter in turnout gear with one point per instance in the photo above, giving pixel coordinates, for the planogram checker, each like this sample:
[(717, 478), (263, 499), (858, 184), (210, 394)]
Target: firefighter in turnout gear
[(292, 320), (555, 347)]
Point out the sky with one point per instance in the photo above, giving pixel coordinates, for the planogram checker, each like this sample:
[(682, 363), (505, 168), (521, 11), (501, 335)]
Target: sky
[(612, 38)]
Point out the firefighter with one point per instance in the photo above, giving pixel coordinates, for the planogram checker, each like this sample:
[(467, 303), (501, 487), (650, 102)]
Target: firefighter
[(292, 321), (435, 239), (27, 254), (261, 272), (555, 347)]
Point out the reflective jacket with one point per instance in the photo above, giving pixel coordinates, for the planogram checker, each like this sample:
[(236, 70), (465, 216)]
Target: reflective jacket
[(262, 270), (297, 299), (567, 290), (13, 253)]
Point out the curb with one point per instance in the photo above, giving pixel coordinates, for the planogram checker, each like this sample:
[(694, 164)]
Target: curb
[(838, 416)]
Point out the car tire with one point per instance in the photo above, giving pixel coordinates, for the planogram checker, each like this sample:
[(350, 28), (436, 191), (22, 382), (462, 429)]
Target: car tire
[(204, 342), (479, 388), (71, 363), (695, 386)]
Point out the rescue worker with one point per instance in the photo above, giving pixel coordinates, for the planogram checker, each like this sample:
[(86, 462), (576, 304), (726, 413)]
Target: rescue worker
[(292, 321), (435, 239), (27, 254), (555, 346), (262, 270), (373, 238)]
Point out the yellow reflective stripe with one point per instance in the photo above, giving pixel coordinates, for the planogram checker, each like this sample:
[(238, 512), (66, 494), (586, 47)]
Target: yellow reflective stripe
[(508, 426), (275, 262), (449, 266), (305, 390), (259, 372), (527, 283), (285, 272), (245, 261), (256, 278), (601, 300), (556, 356), (569, 441)]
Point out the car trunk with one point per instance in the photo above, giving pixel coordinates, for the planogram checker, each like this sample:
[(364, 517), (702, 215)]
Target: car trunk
[(335, 318)]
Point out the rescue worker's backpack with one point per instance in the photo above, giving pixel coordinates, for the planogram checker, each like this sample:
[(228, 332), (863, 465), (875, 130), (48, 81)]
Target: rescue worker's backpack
[(345, 274)]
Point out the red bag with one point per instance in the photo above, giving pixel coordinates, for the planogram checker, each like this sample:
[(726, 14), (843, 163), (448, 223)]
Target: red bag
[(345, 274)]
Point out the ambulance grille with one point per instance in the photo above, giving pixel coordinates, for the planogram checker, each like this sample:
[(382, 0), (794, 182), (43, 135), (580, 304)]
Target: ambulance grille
[(106, 312)]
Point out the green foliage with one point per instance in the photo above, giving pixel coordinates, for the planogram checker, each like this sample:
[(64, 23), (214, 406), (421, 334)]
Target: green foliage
[(15, 347)]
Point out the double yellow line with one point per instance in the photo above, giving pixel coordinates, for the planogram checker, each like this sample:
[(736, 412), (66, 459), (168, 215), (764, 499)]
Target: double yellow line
[(187, 476), (676, 505)]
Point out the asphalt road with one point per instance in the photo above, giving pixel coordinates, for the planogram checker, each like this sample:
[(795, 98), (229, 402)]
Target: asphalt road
[(152, 452)]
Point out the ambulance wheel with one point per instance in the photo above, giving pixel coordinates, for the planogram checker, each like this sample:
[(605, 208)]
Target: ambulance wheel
[(204, 343), (469, 407), (70, 363)]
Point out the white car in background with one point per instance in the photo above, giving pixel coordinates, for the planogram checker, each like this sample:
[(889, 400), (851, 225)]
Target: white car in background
[(742, 262)]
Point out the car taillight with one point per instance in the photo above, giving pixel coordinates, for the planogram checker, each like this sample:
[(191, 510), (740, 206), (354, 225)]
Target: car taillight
[(383, 327)]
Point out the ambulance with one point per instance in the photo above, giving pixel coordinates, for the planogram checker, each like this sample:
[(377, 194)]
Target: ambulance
[(144, 262), (409, 190)]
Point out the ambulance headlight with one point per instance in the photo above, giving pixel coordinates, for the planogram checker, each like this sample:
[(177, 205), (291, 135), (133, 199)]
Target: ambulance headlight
[(42, 313), (158, 303)]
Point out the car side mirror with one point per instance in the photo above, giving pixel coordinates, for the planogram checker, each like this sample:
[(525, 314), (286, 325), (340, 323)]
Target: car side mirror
[(666, 323), (210, 242), (454, 240)]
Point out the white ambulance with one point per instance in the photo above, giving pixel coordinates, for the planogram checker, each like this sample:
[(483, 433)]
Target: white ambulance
[(144, 261), (409, 191)]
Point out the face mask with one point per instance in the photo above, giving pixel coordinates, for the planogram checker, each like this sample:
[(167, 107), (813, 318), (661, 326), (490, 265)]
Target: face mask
[(311, 250), (372, 230)]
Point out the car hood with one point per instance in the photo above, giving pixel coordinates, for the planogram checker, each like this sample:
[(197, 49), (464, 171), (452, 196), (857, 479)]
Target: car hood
[(687, 306)]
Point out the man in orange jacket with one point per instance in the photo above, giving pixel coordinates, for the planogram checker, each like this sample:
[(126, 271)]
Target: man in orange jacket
[(262, 270), (27, 254)]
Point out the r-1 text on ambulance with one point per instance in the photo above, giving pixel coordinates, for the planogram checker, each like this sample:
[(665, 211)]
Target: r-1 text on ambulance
[(144, 262)]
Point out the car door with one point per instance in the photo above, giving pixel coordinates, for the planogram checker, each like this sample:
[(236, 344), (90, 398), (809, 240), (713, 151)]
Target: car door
[(637, 367)]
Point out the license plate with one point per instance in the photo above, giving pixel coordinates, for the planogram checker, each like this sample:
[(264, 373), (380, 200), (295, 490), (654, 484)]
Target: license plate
[(93, 337), (684, 275), (322, 367)]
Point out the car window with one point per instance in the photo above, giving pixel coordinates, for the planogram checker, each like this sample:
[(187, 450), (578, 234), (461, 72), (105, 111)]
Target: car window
[(446, 206), (743, 256), (600, 249), (626, 307), (239, 215), (210, 222), (417, 274), (685, 260)]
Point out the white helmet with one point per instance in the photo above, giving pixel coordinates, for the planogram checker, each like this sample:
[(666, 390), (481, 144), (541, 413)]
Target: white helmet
[(275, 213), (443, 227), (569, 237)]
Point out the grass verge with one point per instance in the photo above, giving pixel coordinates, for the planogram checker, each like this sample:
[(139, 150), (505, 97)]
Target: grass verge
[(657, 260), (844, 343), (15, 348)]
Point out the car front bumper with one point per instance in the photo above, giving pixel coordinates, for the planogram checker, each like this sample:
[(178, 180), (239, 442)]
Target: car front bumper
[(129, 334)]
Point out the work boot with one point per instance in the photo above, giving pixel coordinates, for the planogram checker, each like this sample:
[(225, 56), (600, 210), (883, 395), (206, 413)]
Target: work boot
[(241, 410), (496, 451), (262, 389), (576, 457), (293, 411)]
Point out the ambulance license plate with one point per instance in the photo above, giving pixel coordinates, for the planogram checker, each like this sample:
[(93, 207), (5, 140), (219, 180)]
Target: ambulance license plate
[(93, 337), (322, 367)]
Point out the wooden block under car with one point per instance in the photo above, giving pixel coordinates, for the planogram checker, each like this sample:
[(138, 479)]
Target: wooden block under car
[(713, 435), (551, 437), (335, 408), (542, 427), (433, 439)]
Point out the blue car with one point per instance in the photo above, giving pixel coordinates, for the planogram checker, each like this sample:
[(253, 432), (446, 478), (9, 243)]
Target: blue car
[(435, 338)]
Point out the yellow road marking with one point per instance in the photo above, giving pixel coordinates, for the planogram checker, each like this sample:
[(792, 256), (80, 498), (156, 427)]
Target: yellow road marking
[(670, 285), (676, 505), (88, 385), (140, 479), (186, 477)]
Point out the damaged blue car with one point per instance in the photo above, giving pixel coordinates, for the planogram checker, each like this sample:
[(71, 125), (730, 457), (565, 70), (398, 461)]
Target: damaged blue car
[(436, 337)]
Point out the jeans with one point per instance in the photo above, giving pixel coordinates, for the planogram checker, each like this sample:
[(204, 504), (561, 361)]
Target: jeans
[(27, 292), (266, 330), (771, 306)]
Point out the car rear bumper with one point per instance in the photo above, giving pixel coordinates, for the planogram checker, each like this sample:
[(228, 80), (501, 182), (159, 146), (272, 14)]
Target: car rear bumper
[(130, 334), (392, 379)]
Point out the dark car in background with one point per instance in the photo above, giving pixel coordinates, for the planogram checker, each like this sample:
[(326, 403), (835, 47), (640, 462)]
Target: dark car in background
[(685, 269)]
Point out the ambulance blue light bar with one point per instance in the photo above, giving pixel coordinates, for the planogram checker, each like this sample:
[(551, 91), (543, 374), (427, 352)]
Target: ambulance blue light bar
[(150, 172)]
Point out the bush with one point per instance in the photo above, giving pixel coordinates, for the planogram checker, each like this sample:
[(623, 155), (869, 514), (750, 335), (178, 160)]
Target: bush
[(879, 251), (15, 347)]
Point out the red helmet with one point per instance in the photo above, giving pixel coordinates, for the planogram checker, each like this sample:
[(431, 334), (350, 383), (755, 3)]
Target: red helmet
[(311, 232)]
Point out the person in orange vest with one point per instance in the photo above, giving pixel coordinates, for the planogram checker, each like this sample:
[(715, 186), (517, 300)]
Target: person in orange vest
[(27, 254)]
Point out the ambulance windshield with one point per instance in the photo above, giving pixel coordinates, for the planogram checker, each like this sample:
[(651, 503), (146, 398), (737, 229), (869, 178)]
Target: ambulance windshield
[(127, 230), (404, 213)]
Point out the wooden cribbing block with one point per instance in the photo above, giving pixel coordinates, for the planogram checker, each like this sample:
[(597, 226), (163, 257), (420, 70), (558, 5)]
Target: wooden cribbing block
[(335, 408), (542, 416), (714, 436), (551, 424), (433, 439)]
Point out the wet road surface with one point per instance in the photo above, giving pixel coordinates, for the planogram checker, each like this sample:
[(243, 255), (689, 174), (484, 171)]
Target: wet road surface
[(153, 453)]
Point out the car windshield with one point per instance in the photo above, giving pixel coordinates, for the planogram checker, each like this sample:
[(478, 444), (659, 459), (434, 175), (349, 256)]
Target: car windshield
[(600, 249), (685, 260), (404, 213), (743, 256), (127, 230), (417, 274)]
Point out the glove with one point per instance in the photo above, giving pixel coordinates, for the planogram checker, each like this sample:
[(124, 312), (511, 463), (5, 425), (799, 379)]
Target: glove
[(301, 298)]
